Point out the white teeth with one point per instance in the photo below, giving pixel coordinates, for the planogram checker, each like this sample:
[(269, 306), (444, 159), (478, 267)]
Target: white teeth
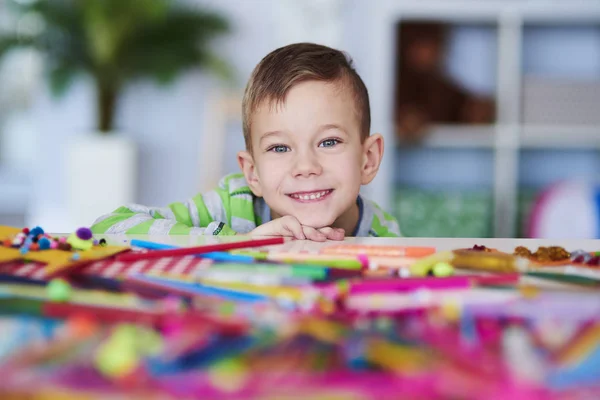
[(312, 196)]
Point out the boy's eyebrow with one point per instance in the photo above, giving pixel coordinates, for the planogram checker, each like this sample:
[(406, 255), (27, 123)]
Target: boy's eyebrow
[(271, 133), (322, 128), (332, 126)]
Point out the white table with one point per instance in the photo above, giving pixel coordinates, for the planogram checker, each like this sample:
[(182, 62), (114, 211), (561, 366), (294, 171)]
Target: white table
[(440, 244)]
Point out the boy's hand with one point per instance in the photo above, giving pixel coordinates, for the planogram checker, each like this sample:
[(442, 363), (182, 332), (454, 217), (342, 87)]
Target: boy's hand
[(289, 226)]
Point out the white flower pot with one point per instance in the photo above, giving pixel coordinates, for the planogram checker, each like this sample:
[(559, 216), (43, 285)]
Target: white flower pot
[(101, 176)]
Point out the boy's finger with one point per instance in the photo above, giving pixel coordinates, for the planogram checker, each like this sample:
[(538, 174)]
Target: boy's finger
[(327, 231), (292, 226), (338, 234), (333, 233), (313, 234)]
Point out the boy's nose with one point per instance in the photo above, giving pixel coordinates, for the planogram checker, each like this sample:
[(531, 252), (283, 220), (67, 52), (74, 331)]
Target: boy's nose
[(307, 165)]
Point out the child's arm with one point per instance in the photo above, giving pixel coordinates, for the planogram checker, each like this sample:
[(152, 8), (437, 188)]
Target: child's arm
[(200, 215)]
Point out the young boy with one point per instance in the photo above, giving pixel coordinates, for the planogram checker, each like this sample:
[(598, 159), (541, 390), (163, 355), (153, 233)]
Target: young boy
[(306, 122)]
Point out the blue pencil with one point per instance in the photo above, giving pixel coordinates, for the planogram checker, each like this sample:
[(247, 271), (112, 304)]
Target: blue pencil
[(196, 288), (219, 256), (144, 244), (226, 257)]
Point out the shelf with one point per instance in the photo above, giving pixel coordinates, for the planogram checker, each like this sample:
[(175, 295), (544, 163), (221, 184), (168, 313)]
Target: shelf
[(557, 137), (531, 137), (546, 11), (457, 137), (510, 140)]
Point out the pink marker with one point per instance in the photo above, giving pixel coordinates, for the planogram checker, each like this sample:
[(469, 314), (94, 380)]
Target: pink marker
[(409, 284)]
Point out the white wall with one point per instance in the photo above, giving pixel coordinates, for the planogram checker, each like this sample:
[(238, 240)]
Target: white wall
[(167, 122)]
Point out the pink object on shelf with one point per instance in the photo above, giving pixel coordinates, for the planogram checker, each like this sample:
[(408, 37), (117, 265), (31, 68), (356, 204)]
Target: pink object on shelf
[(569, 209)]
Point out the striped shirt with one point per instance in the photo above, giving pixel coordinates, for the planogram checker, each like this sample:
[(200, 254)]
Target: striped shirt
[(229, 209)]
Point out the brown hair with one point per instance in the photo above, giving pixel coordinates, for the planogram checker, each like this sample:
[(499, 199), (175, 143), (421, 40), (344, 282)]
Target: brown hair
[(287, 66)]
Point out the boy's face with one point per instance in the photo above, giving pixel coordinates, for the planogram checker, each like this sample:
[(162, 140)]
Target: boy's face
[(307, 158)]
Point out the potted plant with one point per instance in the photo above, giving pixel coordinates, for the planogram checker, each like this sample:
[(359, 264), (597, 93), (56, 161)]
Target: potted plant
[(113, 43)]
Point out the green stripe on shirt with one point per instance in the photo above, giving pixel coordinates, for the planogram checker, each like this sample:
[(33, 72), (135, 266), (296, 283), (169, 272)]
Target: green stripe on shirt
[(182, 213), (141, 229), (231, 203), (122, 213), (203, 213)]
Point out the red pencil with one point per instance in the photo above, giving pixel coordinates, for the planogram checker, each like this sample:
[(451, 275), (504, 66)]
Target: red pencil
[(199, 249), (123, 315)]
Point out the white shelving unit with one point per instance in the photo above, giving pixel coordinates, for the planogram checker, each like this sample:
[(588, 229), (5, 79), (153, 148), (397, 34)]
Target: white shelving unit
[(508, 136)]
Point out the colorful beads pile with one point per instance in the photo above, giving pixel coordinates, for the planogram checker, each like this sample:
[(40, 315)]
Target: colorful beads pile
[(37, 240), (552, 254), (480, 248), (544, 254), (583, 257)]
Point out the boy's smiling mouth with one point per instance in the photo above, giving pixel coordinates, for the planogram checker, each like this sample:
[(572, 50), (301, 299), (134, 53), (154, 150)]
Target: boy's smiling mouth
[(314, 196)]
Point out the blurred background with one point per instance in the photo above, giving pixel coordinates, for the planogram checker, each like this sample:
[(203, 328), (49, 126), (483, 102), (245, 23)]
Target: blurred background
[(490, 109)]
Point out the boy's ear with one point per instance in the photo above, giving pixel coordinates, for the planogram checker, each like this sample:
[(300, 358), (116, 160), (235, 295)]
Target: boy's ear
[(247, 166), (372, 155)]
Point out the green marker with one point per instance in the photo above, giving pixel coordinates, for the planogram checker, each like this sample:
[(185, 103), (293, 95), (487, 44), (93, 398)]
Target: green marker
[(289, 271), (333, 263), (259, 255)]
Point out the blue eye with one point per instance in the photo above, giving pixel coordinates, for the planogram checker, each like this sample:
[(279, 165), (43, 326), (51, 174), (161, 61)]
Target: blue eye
[(279, 148), (329, 142)]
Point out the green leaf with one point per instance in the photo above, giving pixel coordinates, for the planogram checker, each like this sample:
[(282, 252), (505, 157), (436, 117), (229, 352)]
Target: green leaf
[(117, 41), (61, 78), (9, 42)]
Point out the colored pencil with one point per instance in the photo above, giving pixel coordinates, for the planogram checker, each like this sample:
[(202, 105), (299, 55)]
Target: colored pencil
[(188, 289), (134, 256), (316, 260), (216, 255), (145, 244), (257, 279), (289, 271), (102, 313), (119, 315), (292, 293), (401, 285), (408, 284), (379, 251), (220, 256)]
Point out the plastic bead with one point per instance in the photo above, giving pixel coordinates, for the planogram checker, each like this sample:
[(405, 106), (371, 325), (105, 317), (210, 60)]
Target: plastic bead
[(84, 233), (78, 243), (59, 290), (594, 261), (580, 256), (36, 231), (443, 269), (64, 246), (44, 243)]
